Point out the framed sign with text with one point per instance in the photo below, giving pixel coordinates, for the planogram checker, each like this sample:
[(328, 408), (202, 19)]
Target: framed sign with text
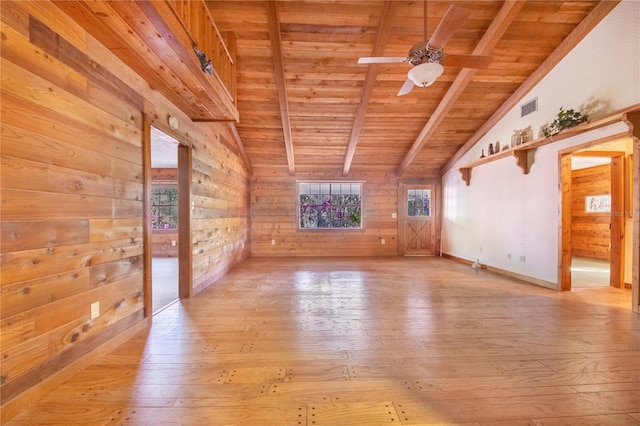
[(597, 203)]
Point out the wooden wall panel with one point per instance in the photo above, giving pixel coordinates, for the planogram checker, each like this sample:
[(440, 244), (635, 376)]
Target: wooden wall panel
[(20, 235), (590, 233), (165, 175), (274, 217), (163, 244), (220, 226), (71, 192)]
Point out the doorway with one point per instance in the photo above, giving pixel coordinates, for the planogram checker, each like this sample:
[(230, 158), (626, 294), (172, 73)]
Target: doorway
[(170, 199), (417, 221), (593, 219)]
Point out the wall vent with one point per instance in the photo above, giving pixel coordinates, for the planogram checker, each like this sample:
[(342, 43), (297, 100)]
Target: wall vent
[(529, 107)]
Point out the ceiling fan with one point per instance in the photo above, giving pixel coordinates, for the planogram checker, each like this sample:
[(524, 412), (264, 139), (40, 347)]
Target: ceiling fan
[(426, 56)]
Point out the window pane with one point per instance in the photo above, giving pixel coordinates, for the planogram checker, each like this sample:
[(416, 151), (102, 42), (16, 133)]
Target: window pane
[(330, 205), (308, 212), (419, 202), (164, 208)]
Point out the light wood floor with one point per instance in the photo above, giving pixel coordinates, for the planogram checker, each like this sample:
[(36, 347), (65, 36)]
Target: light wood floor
[(367, 342)]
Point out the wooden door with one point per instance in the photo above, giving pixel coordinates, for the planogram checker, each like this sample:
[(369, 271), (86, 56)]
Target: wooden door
[(417, 223)]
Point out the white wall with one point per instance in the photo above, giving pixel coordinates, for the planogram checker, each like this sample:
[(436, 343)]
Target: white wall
[(504, 211)]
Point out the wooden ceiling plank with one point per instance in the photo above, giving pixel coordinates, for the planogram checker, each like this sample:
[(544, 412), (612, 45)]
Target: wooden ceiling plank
[(586, 25), (386, 18), (278, 63), (320, 46), (494, 33)]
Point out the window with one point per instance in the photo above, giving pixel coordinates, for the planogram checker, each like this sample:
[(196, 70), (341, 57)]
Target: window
[(418, 202), (164, 207), (330, 205)]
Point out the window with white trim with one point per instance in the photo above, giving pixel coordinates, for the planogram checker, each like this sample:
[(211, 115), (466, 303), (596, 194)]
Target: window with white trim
[(330, 205), (164, 207)]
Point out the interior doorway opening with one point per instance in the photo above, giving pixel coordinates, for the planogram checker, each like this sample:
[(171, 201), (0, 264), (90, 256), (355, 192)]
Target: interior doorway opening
[(166, 226), (596, 229), (590, 219)]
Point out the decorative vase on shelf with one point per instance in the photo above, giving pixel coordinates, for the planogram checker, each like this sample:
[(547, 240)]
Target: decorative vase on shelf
[(496, 148), (482, 156), (491, 149), (528, 132)]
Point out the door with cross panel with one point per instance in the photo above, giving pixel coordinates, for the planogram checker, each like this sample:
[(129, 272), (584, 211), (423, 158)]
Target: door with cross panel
[(417, 220)]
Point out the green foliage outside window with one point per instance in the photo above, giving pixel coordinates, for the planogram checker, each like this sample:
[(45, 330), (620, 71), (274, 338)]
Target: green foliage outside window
[(330, 205), (164, 208), (419, 202)]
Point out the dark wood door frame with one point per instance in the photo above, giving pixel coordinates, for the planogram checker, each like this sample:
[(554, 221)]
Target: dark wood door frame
[(185, 249), (631, 118), (617, 255), (185, 257), (147, 244)]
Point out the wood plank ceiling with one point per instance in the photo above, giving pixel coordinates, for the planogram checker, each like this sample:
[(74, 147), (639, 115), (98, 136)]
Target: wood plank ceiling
[(306, 105)]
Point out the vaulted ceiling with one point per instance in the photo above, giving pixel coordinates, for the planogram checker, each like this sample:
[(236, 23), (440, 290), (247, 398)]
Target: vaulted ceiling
[(306, 105)]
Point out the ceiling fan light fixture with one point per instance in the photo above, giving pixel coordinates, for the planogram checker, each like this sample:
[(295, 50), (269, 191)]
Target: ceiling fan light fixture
[(426, 74)]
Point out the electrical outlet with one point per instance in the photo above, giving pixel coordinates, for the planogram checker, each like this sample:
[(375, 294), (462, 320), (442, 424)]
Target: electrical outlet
[(382, 241), (394, 215), (273, 242), (174, 243), (522, 258), (95, 310)]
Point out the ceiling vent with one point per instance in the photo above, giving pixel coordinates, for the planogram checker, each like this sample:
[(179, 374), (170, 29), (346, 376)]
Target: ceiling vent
[(529, 107)]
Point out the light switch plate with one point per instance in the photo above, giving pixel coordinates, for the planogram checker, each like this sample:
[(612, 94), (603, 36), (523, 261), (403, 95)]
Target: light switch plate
[(95, 310)]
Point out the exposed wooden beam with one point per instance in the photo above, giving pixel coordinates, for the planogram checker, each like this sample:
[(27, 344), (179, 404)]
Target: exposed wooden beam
[(384, 31), (597, 14), (494, 33), (278, 64)]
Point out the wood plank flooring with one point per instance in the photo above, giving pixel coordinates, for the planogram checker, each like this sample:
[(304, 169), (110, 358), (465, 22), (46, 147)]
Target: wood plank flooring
[(367, 341)]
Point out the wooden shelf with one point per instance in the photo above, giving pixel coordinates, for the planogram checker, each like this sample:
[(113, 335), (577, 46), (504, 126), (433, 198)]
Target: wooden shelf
[(521, 152)]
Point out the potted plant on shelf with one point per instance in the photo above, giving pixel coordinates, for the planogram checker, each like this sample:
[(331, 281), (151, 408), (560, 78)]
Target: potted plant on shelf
[(565, 119)]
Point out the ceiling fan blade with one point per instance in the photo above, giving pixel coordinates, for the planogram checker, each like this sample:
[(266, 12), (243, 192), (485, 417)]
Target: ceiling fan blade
[(467, 61), (381, 59), (451, 22), (406, 87)]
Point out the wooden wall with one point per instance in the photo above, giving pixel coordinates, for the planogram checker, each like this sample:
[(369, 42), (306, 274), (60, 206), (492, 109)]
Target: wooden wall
[(590, 234), (165, 243), (274, 217), (72, 195)]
